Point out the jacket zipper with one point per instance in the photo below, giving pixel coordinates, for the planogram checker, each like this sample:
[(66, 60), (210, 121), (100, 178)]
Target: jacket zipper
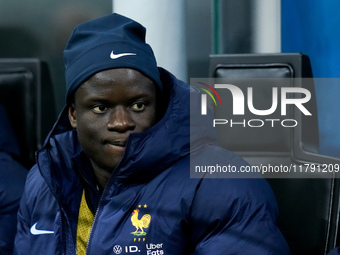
[(65, 238), (63, 243), (104, 191)]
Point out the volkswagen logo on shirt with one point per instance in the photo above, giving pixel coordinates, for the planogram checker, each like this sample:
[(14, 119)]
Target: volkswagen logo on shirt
[(117, 249)]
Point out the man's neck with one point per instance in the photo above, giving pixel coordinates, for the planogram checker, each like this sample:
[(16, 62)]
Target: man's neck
[(102, 177)]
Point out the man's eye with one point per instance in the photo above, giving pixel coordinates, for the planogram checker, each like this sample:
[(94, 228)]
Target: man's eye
[(99, 109), (138, 106)]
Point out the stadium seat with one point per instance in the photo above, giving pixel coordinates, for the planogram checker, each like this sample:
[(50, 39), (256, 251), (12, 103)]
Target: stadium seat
[(27, 94), (308, 200)]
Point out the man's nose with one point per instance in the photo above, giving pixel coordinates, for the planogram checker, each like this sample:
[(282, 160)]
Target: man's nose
[(120, 120)]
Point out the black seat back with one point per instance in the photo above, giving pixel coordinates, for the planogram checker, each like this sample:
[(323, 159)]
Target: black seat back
[(308, 202), (27, 94)]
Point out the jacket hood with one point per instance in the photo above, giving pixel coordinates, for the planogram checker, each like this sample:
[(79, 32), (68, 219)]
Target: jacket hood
[(146, 154), (8, 140)]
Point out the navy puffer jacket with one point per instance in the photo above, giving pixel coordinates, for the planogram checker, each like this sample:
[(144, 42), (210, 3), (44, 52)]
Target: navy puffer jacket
[(152, 187)]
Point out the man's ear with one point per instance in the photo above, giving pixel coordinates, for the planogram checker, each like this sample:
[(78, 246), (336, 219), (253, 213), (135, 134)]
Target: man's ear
[(72, 116)]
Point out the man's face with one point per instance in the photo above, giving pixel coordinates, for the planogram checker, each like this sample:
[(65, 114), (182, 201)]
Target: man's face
[(107, 108)]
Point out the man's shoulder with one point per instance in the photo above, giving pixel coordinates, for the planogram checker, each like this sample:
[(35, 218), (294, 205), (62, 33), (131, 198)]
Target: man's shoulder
[(35, 182), (217, 162), (225, 173), (220, 171)]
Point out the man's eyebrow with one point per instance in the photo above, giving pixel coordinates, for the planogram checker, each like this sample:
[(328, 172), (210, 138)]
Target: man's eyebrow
[(95, 99), (92, 99)]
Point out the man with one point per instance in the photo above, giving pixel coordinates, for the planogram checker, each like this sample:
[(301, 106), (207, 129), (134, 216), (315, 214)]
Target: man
[(113, 176), (12, 181)]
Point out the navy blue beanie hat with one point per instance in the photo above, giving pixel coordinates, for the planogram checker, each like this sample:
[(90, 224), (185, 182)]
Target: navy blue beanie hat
[(112, 41)]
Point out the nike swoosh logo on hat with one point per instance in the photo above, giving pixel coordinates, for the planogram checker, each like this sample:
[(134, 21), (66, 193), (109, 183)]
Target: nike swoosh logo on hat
[(35, 231), (115, 56)]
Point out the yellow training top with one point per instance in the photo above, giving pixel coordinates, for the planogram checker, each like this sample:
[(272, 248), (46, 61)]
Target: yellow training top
[(85, 220)]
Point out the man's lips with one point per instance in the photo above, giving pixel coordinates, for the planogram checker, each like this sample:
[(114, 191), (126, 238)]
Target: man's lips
[(118, 143), (116, 147)]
